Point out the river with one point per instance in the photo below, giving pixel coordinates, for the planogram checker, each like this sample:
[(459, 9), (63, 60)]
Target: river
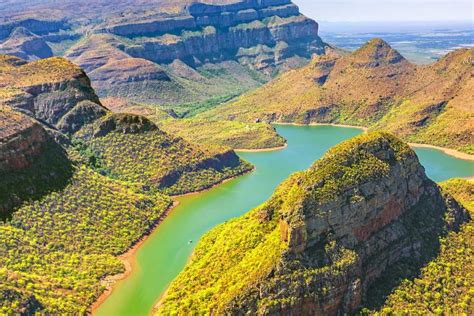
[(164, 254)]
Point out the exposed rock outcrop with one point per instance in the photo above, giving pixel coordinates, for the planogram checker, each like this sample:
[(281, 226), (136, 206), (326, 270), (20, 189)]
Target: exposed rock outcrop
[(52, 90), (31, 162), (328, 234)]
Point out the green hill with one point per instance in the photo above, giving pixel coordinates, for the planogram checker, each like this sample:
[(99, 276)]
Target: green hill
[(325, 238)]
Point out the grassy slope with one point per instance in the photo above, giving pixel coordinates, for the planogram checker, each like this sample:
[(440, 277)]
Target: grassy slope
[(149, 157), (446, 284), (427, 104), (58, 248), (233, 134)]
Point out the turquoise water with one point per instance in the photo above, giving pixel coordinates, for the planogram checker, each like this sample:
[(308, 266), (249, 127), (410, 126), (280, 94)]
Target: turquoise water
[(165, 253)]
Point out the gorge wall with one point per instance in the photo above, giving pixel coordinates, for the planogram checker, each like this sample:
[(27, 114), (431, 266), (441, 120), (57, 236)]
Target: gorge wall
[(328, 234), (166, 52)]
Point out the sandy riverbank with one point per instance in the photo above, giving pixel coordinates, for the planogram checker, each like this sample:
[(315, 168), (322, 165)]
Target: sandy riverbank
[(129, 259), (261, 150), (448, 151)]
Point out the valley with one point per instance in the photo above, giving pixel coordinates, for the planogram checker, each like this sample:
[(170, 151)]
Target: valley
[(159, 261)]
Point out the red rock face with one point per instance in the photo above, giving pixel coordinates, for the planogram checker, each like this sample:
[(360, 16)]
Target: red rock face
[(392, 210), (340, 246), (21, 141)]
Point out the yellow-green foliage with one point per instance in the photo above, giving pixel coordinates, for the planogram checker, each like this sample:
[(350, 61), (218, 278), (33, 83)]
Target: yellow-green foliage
[(228, 260), (19, 74), (232, 259), (353, 162), (59, 247), (232, 134), (150, 157), (451, 128), (446, 284)]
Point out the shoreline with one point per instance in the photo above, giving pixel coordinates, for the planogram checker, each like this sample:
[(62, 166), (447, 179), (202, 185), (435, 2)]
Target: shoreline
[(129, 261), (262, 150), (128, 258), (365, 129), (448, 151)]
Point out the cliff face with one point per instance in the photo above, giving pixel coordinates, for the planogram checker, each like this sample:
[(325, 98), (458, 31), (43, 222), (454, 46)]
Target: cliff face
[(21, 140), (52, 90), (31, 163), (328, 235), (374, 87), (131, 48), (219, 31)]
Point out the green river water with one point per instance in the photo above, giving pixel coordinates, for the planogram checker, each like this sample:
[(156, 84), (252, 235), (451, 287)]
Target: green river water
[(164, 254)]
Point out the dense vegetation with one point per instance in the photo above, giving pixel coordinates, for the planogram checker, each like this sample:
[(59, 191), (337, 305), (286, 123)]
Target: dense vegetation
[(445, 285), (233, 134), (54, 251), (154, 159), (228, 263)]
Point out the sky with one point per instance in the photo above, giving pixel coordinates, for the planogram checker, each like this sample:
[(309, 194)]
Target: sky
[(387, 10)]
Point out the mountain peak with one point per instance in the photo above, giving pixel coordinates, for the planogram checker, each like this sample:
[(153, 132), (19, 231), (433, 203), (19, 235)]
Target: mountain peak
[(377, 51), (21, 32)]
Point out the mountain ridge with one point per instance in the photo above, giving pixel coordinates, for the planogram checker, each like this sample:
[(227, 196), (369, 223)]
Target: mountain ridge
[(365, 88)]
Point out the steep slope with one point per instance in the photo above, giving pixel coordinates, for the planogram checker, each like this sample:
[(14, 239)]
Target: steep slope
[(52, 90), (169, 52), (445, 283), (373, 86), (26, 45), (132, 148), (31, 163), (79, 185), (55, 251), (327, 235)]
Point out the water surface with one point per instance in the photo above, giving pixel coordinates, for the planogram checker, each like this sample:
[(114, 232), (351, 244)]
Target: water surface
[(165, 253)]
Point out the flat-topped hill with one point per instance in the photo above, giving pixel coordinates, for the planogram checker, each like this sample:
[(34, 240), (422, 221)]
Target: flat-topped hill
[(373, 87), (328, 235), (52, 90)]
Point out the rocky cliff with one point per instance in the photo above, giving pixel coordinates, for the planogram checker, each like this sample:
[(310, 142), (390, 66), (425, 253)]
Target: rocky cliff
[(328, 235), (31, 163), (52, 90), (145, 50), (374, 87)]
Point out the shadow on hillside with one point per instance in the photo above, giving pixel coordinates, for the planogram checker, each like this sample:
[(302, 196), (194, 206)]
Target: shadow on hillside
[(50, 172), (427, 225)]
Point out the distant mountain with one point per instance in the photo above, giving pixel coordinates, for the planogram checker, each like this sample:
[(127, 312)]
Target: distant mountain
[(374, 87), (166, 52), (325, 240)]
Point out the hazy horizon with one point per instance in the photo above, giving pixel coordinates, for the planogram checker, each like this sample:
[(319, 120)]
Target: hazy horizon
[(388, 11)]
